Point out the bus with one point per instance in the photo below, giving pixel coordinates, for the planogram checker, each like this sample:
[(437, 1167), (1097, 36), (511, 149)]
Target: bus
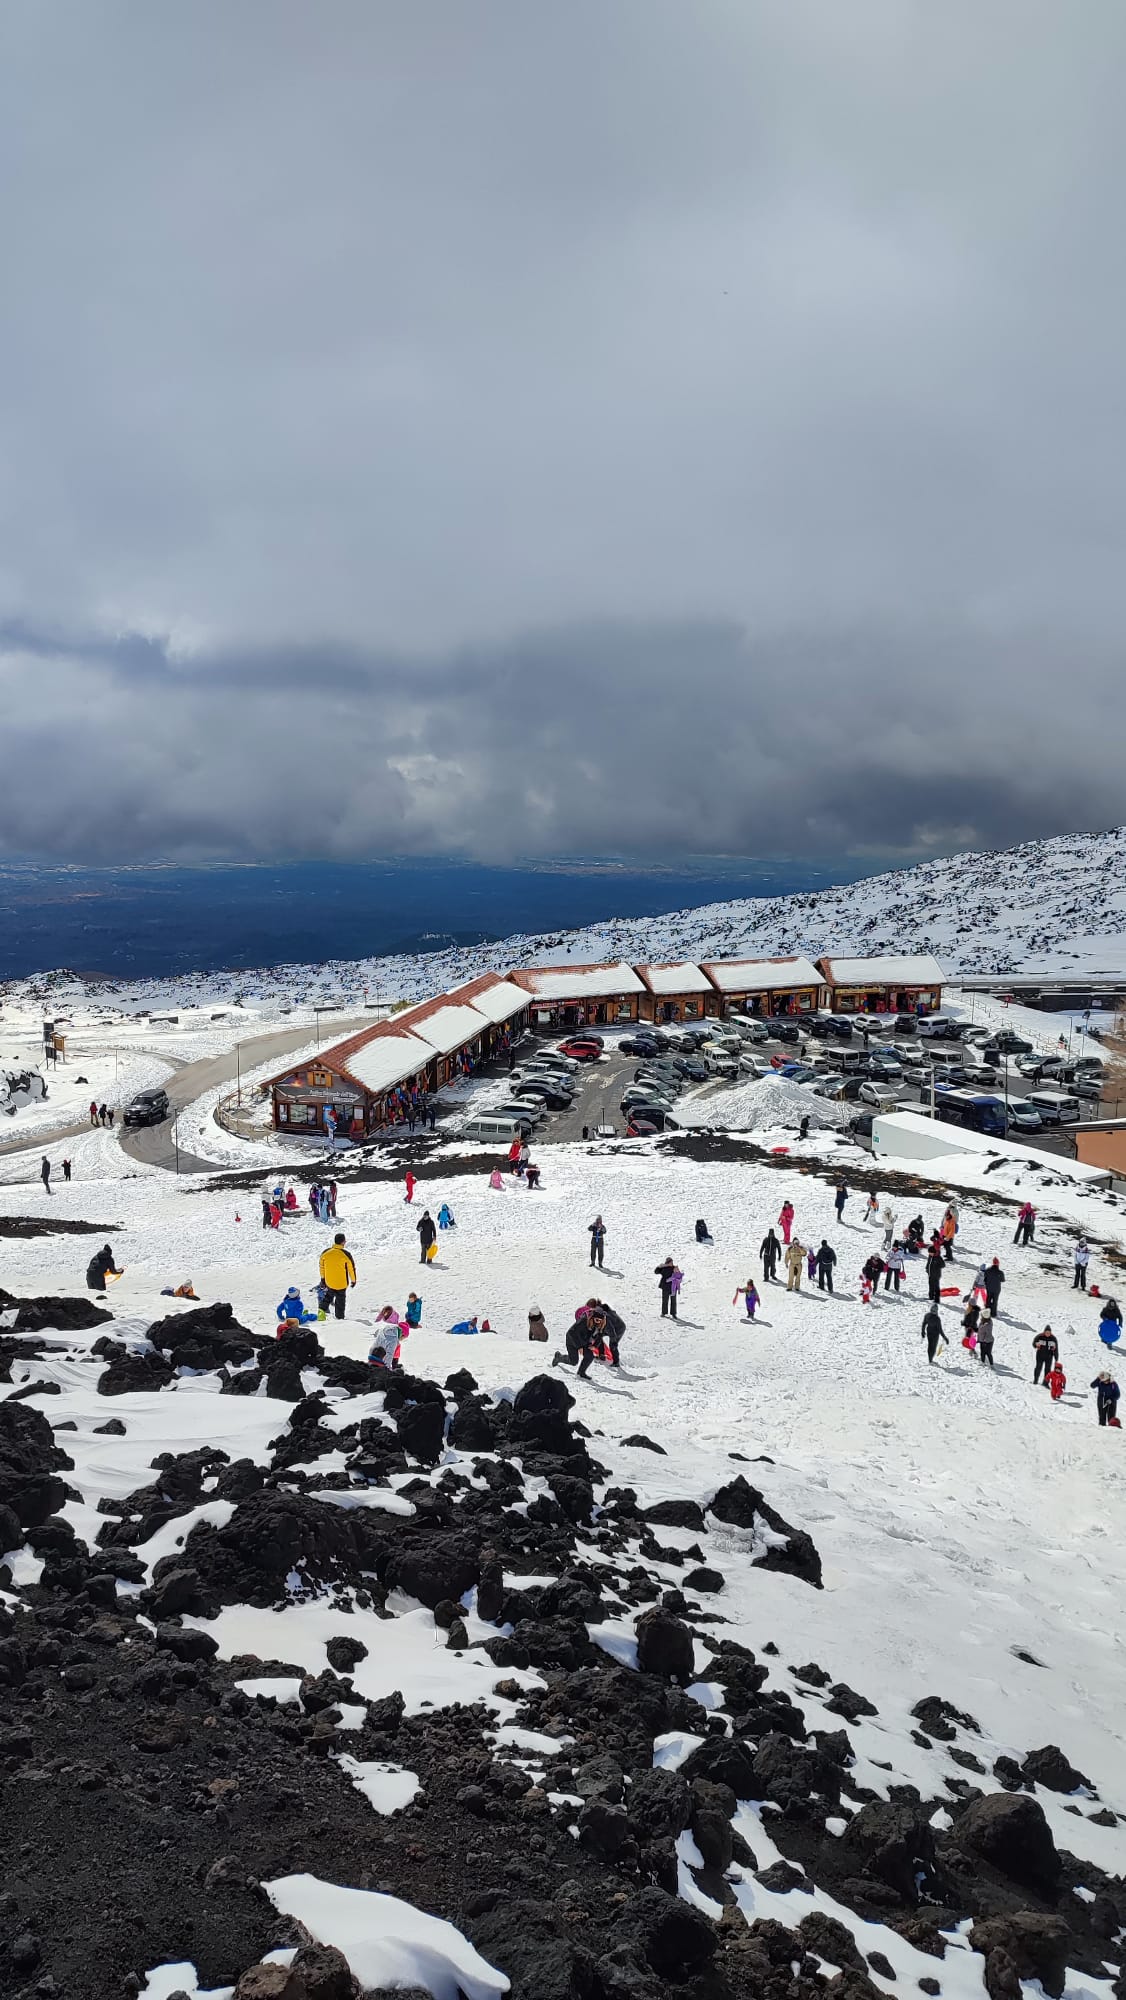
[(971, 1109)]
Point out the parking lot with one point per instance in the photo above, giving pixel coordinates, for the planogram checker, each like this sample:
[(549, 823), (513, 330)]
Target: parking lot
[(598, 1086)]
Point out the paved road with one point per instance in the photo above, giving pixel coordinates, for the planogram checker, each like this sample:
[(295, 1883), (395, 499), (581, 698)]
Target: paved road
[(155, 1144)]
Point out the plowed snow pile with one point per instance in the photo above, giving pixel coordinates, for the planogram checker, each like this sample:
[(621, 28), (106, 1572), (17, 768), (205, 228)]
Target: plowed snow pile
[(769, 1104)]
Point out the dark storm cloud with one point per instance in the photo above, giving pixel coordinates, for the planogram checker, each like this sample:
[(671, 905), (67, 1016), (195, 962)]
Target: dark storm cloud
[(620, 427)]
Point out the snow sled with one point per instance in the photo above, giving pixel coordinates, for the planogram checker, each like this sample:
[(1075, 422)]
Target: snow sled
[(951, 1291), (779, 1149), (1115, 1423)]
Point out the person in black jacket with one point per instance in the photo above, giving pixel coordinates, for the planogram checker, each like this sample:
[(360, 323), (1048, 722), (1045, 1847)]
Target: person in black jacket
[(994, 1279), (1106, 1396), (99, 1268), (824, 1260), (1047, 1351), (935, 1265), (614, 1328), (932, 1331), (769, 1250), (597, 1230), (427, 1234)]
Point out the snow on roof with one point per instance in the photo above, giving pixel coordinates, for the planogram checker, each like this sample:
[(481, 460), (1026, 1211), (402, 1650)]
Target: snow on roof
[(578, 982), (444, 1028), (674, 978), (761, 975), (384, 1061), (498, 1000), (895, 970)]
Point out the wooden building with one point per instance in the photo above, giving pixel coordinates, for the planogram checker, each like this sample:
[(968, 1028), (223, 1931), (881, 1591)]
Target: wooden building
[(764, 985), (369, 1081), (892, 984), (676, 993), (581, 996)]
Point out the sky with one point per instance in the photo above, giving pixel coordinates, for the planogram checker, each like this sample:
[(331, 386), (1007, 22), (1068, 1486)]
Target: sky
[(498, 429)]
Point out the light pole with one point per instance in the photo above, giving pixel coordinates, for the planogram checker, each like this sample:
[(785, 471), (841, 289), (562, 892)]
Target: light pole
[(176, 1142)]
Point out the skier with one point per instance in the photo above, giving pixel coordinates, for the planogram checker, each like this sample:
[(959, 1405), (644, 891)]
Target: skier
[(1110, 1323), (994, 1279), (839, 1200), (824, 1261), (410, 1186), (597, 1233), (769, 1251), (1082, 1259), (795, 1258), (1057, 1382), (786, 1219), (748, 1293), (894, 1266), (1107, 1394), (338, 1274), (45, 1173), (985, 1340), (427, 1235), (935, 1262), (101, 1267), (932, 1332), (668, 1277), (1047, 1351)]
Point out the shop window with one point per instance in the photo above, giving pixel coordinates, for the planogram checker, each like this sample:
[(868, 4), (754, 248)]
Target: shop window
[(302, 1114), (283, 1114), (624, 1011), (692, 1010)]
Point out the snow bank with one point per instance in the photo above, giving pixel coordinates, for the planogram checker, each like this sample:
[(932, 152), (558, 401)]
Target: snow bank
[(388, 1942), (772, 1103)]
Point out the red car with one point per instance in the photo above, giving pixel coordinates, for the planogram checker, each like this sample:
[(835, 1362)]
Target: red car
[(581, 1051)]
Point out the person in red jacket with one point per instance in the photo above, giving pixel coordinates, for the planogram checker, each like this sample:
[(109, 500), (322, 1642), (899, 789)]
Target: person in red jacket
[(410, 1185), (786, 1220), (1057, 1382)]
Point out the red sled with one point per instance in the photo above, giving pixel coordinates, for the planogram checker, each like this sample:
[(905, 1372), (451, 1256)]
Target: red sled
[(779, 1149), (951, 1291), (1095, 1292), (1116, 1423)]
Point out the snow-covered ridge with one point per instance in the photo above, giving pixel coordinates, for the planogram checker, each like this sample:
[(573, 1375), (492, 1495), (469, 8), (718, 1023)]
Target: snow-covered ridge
[(1053, 906)]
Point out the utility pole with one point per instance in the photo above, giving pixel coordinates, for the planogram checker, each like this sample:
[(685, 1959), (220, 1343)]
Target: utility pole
[(176, 1143)]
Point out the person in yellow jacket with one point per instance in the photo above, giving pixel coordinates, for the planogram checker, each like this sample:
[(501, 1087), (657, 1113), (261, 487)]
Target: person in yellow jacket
[(338, 1272)]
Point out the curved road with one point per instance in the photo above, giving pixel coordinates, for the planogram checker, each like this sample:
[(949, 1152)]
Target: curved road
[(154, 1144)]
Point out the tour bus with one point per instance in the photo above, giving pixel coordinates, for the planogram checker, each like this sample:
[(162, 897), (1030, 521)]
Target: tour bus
[(972, 1110), (1056, 1107)]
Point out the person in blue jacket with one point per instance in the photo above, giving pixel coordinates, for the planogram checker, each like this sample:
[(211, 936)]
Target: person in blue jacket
[(293, 1307), (413, 1311), (445, 1219), (1106, 1397), (465, 1325)]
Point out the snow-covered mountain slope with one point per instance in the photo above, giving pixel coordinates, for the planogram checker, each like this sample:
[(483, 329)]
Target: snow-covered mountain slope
[(1052, 906), (479, 1696)]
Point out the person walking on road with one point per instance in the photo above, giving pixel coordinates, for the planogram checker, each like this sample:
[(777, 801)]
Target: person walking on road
[(994, 1279), (932, 1332), (795, 1259), (93, 1114), (338, 1274), (770, 1250), (45, 1173), (839, 1200), (1082, 1259), (1047, 1351), (669, 1279), (597, 1232), (824, 1261), (1106, 1397), (427, 1235), (786, 1220)]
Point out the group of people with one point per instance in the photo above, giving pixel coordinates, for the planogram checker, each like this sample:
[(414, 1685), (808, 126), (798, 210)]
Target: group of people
[(45, 1173), (278, 1202), (595, 1334), (101, 1114)]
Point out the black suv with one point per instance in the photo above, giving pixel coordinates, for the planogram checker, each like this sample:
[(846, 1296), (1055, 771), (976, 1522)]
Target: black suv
[(149, 1107)]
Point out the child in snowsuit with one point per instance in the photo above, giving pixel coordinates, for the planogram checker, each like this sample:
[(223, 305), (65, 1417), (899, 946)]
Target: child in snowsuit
[(445, 1219), (413, 1312), (748, 1293), (1057, 1382)]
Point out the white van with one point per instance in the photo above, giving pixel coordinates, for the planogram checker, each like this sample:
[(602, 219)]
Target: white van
[(500, 1131), (1056, 1107)]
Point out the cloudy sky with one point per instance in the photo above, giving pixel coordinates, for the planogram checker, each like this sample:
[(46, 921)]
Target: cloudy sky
[(625, 426)]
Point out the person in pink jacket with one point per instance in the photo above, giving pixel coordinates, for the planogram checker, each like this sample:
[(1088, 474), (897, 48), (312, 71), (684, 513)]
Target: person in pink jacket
[(786, 1220)]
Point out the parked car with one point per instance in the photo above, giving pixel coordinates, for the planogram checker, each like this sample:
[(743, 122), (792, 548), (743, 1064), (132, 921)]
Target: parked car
[(638, 1045), (645, 1093), (950, 1075), (646, 1124), (847, 1091), (884, 1069), (149, 1107), (752, 1028), (531, 1108), (884, 1096), (553, 1095), (1022, 1118), (802, 1073), (860, 1128), (782, 1030), (695, 1069), (840, 1027), (583, 1052), (978, 1035), (1088, 1084), (1034, 1067), (550, 1059), (906, 1024), (830, 1087)]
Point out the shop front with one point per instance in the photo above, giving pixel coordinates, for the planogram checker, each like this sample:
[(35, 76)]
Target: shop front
[(765, 987), (891, 985)]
